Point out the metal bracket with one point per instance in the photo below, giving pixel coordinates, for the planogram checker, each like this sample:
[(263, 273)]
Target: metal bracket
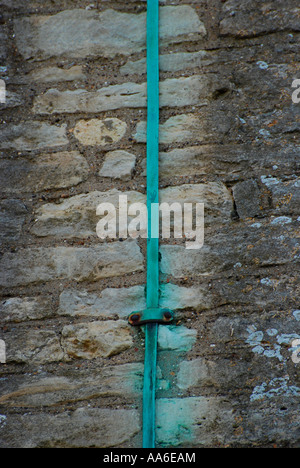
[(141, 317)]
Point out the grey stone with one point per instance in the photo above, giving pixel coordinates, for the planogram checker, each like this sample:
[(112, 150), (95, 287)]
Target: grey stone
[(21, 309), (248, 18), (32, 136), (272, 290), (267, 336), (46, 171), (80, 385), (118, 165), (11, 100), (170, 62), (83, 33), (231, 162), (174, 92), (285, 194), (84, 427), (100, 132), (244, 248), (247, 198), (35, 265), (12, 217), (3, 43), (96, 339)]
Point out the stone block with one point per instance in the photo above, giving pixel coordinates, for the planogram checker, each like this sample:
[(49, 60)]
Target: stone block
[(33, 346), (188, 128), (80, 33), (194, 421), (40, 264), (31, 136), (100, 132), (12, 217), (250, 19), (76, 217), (84, 427), (170, 62), (96, 339), (118, 165), (22, 309), (48, 390), (174, 92), (45, 172)]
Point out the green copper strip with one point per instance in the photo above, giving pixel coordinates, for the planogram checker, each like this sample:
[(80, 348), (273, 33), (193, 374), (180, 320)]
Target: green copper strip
[(151, 329)]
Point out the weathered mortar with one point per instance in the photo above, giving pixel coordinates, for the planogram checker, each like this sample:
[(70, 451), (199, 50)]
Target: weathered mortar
[(73, 128)]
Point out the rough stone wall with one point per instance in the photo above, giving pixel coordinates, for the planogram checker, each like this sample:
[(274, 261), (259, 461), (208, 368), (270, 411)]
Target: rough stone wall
[(73, 135)]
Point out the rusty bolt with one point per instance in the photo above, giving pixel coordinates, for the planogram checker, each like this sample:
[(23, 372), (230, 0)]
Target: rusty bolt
[(135, 318), (167, 315)]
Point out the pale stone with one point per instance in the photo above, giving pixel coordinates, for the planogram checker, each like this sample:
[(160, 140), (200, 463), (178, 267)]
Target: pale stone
[(31, 136), (76, 216), (35, 265), (124, 301), (81, 33), (111, 301), (170, 62), (82, 428), (33, 346), (46, 171), (100, 132), (96, 339), (180, 262), (190, 161), (191, 373), (179, 297), (118, 165), (216, 197), (179, 339), (187, 128), (174, 92), (56, 74), (17, 309)]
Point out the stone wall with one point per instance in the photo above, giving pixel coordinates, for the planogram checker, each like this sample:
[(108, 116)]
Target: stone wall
[(72, 135)]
